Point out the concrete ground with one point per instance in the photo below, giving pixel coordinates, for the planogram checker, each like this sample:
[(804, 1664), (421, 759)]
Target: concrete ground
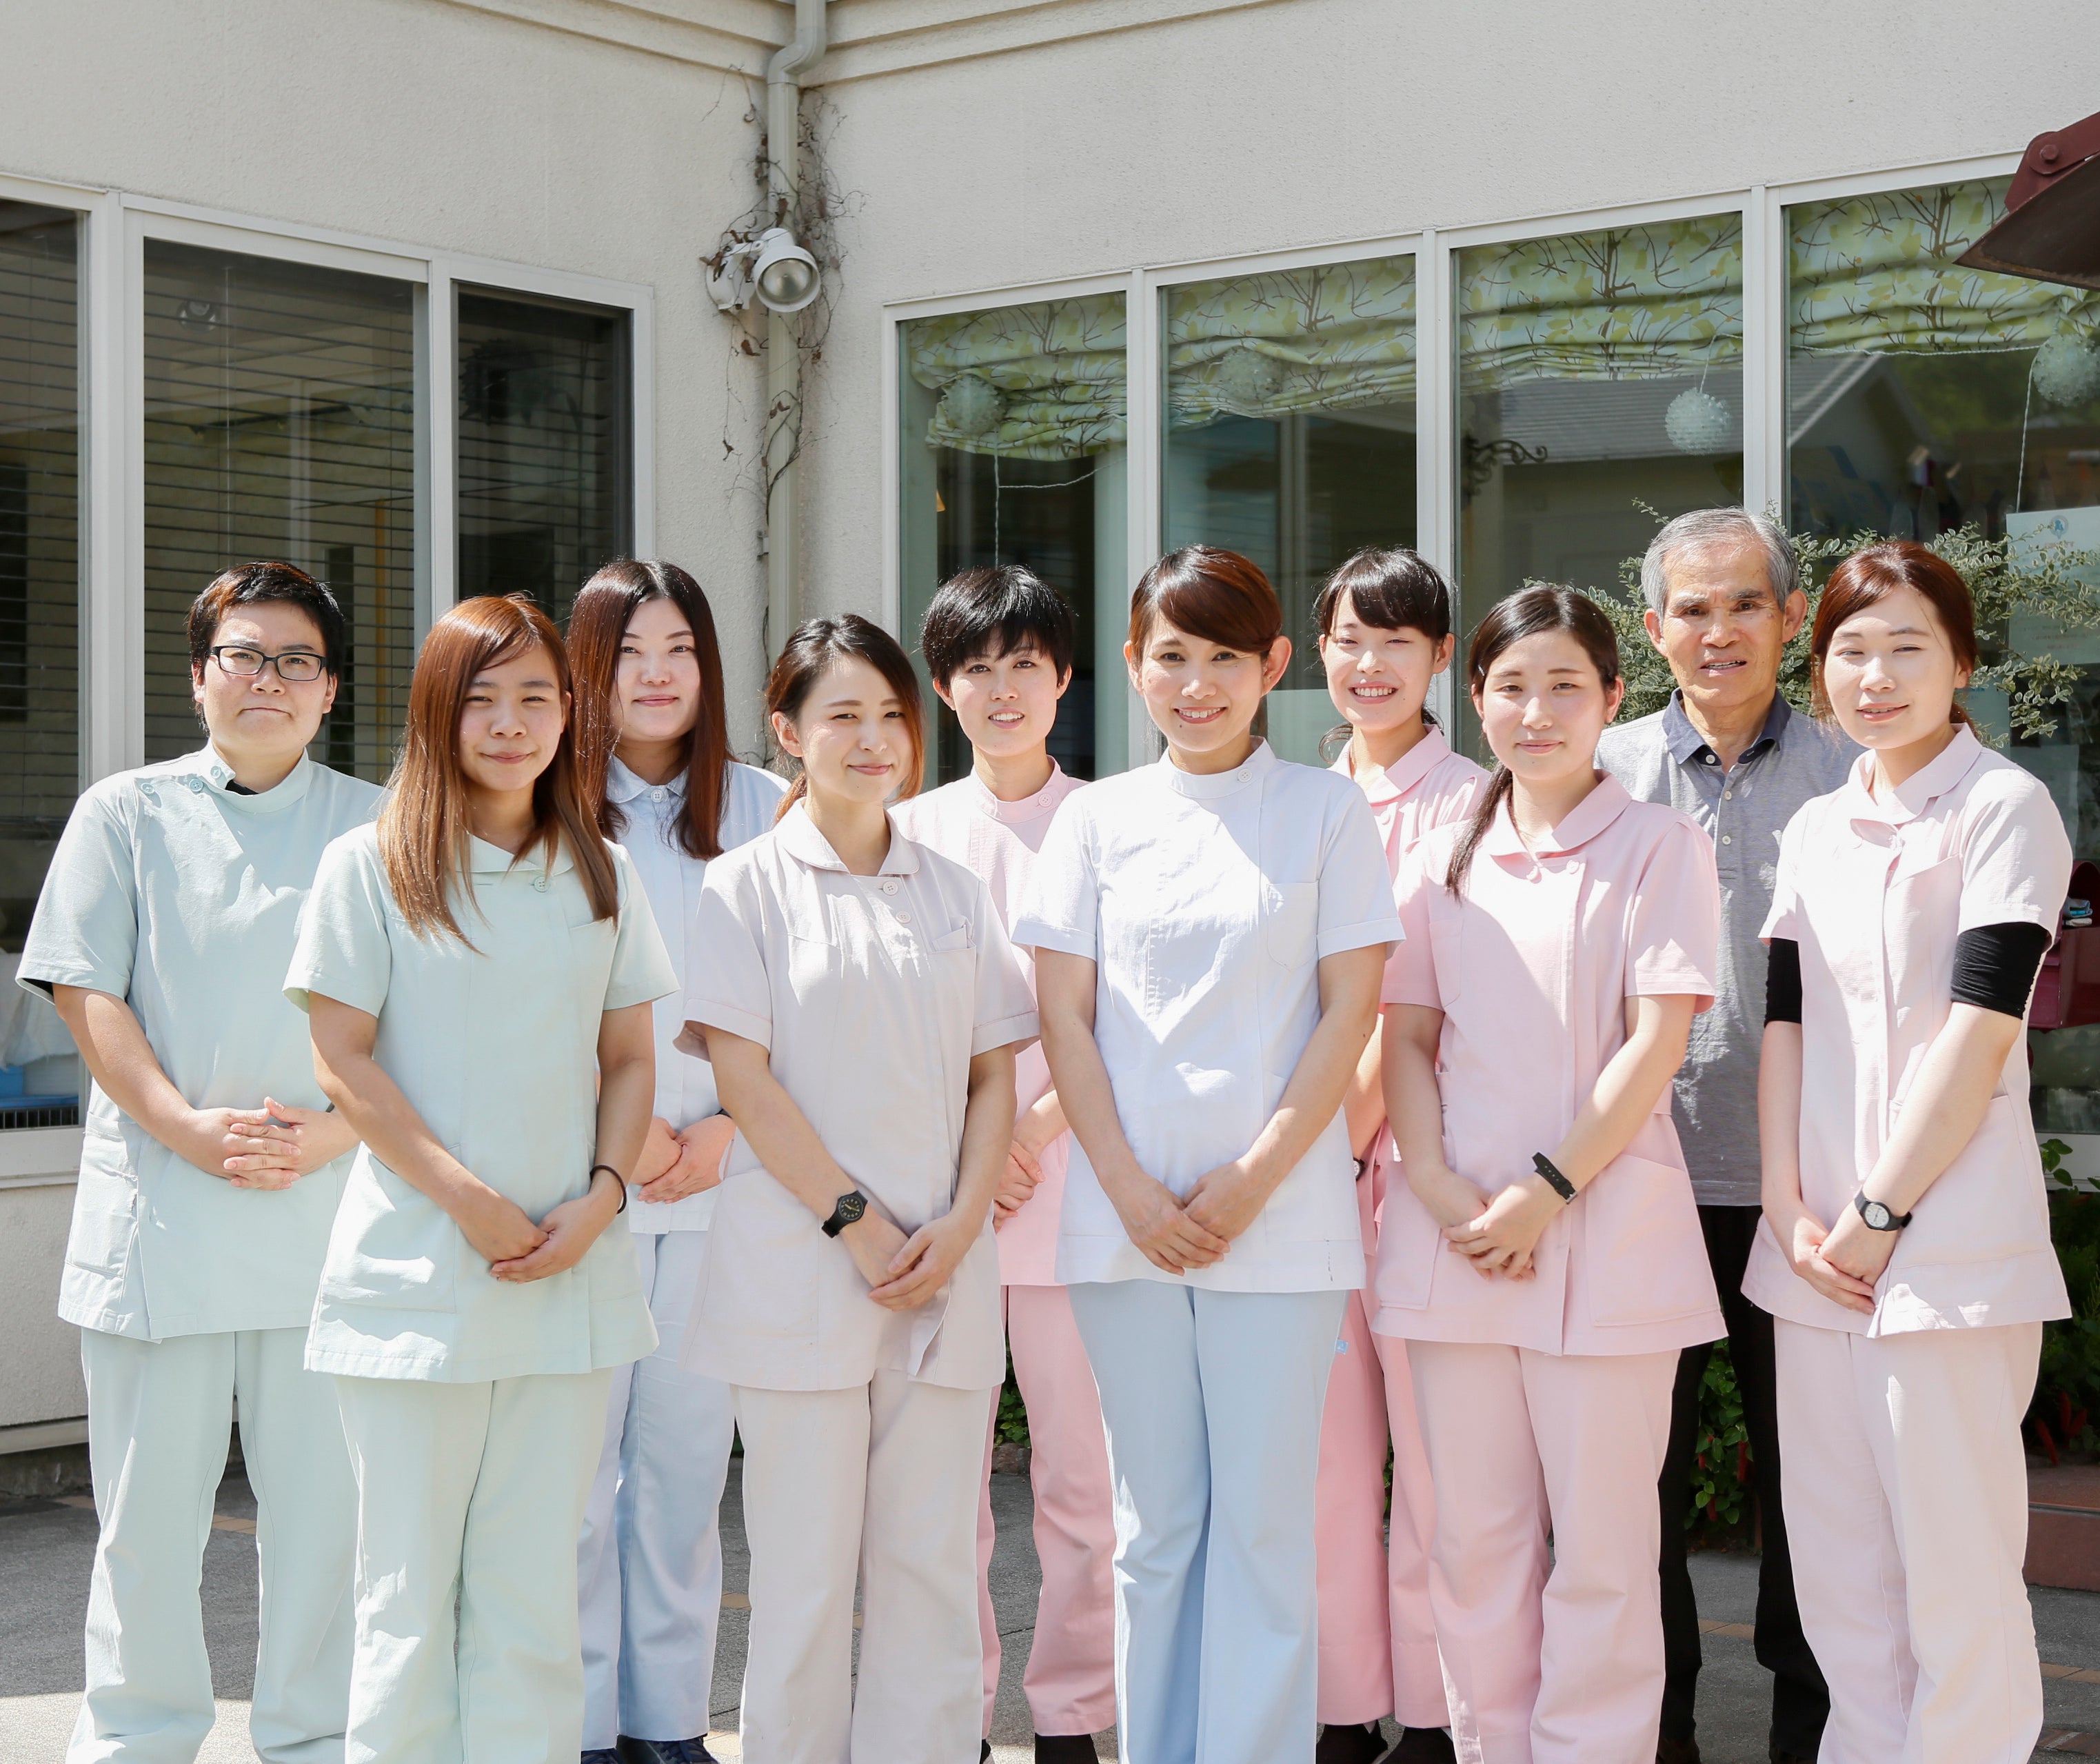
[(46, 1549)]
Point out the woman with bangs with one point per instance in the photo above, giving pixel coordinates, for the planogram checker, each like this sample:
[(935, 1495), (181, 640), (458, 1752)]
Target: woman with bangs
[(478, 969), (1209, 933), (653, 748)]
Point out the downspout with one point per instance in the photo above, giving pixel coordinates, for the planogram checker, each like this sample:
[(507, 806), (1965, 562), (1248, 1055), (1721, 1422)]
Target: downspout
[(783, 354)]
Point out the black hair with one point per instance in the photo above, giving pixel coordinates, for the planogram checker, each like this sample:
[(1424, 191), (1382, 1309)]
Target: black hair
[(811, 648), (1390, 587), (250, 584), (993, 612)]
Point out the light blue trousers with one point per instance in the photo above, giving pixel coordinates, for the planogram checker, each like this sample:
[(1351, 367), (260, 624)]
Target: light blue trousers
[(159, 1414), (1212, 1404), (469, 1494), (650, 1562)]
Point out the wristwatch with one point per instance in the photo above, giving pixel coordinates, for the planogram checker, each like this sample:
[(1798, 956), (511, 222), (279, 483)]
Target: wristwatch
[(1877, 1216), (849, 1209)]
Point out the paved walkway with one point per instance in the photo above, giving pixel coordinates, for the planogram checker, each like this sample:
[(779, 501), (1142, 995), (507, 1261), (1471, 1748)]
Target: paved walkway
[(47, 1548)]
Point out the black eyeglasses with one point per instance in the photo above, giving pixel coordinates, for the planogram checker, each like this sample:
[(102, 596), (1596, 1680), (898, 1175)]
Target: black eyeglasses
[(297, 666)]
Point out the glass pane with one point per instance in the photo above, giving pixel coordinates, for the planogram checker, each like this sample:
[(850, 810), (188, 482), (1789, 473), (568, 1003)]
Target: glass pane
[(40, 1078), (281, 424), (1923, 396), (1597, 373), (1014, 452), (1289, 437), (544, 484)]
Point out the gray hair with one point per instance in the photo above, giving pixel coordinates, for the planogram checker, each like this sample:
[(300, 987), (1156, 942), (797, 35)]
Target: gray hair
[(1705, 528)]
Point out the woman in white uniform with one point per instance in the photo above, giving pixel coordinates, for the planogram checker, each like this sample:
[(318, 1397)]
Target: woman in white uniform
[(209, 1171), (1209, 934), (861, 1007), (478, 968), (653, 748), (1904, 1252)]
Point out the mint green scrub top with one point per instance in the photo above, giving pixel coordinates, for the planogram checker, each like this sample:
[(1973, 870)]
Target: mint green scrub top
[(496, 1047), (182, 898)]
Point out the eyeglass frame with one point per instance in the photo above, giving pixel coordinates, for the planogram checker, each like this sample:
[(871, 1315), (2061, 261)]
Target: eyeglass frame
[(216, 652)]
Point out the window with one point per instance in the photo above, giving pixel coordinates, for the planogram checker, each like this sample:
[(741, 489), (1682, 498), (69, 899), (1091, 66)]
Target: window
[(545, 482), (40, 438), (280, 422), (1013, 451), (1289, 435)]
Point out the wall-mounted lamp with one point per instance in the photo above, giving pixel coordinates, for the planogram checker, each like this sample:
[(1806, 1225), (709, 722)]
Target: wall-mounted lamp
[(782, 276)]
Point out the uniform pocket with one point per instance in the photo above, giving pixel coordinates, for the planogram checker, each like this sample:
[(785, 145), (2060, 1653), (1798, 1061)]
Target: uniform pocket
[(1408, 1246), (764, 1260), (1644, 1254), (392, 1247)]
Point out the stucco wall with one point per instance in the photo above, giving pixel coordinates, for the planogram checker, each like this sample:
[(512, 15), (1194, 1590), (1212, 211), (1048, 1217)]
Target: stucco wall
[(40, 1379)]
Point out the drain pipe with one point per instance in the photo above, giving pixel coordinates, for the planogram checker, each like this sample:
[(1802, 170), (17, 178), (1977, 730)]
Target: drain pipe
[(783, 354)]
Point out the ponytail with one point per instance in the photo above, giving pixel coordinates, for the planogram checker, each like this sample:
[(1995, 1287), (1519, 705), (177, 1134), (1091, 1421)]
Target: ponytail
[(1484, 811)]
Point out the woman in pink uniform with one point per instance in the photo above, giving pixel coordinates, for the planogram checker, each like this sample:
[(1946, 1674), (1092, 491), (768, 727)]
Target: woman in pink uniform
[(1905, 1249), (1542, 1259), (1385, 634)]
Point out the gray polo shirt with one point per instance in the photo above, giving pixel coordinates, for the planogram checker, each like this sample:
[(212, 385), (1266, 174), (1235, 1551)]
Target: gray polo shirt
[(1744, 808)]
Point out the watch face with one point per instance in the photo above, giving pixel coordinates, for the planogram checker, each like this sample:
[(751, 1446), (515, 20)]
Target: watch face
[(851, 1207), (1877, 1215)]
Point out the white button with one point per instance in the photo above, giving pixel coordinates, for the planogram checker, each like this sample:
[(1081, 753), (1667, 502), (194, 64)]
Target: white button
[(195, 784), (904, 918), (540, 882), (1727, 839), (657, 792), (890, 887), (1712, 761), (1727, 796)]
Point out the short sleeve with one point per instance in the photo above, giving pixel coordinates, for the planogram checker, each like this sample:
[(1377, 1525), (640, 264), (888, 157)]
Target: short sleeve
[(85, 932), (642, 970), (1785, 918), (1673, 931), (1062, 907), (1356, 888), (726, 983), (1005, 1007), (2015, 856), (1410, 971), (344, 949)]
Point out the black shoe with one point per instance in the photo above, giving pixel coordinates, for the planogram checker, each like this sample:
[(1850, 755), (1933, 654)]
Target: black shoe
[(1669, 1751), (1349, 1743), (630, 1750), (1065, 1749), (1781, 1757), (1422, 1745), (601, 1756)]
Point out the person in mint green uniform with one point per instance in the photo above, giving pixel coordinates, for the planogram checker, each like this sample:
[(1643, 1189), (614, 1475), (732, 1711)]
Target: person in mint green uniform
[(210, 1168), (478, 968)]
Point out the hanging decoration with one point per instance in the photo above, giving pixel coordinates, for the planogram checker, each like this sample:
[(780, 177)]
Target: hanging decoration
[(1698, 422), (1247, 379), (971, 404), (2067, 369)]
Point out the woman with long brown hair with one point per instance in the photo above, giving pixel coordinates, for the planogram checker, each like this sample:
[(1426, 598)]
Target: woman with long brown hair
[(478, 969), (653, 749)]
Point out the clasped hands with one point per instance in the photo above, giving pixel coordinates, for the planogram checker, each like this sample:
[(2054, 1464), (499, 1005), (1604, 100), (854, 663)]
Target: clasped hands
[(1497, 1235), (1843, 1261), (267, 1148)]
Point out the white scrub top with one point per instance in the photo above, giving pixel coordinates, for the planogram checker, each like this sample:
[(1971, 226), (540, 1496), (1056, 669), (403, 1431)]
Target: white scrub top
[(685, 1086), (998, 841), (872, 995), (1876, 892), (496, 1047), (1207, 903), (183, 897)]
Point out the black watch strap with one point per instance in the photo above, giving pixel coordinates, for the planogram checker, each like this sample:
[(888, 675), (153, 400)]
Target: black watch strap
[(1879, 1216), (850, 1208), (1548, 1169)]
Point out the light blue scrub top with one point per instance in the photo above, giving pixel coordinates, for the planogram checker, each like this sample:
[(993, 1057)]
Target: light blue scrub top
[(496, 1047), (183, 897)]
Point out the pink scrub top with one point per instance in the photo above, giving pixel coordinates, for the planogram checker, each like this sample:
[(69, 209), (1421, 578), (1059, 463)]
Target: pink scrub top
[(1876, 891), (1532, 968), (998, 842)]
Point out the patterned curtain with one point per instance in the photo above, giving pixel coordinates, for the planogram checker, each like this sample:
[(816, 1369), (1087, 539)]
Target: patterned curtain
[(1040, 381)]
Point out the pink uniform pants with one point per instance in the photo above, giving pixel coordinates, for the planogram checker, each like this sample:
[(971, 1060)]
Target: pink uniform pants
[(1906, 1495), (1071, 1677), (1553, 1657)]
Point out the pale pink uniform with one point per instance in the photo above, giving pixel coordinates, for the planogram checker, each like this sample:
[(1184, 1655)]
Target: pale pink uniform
[(1071, 1677), (1905, 1482), (1378, 1643), (1545, 1404)]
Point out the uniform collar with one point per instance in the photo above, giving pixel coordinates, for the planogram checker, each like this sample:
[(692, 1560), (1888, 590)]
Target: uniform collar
[(622, 785), (486, 859), (1914, 795), (1382, 789), (1211, 784), (1686, 743), (798, 836), (1585, 820), (214, 774), (1025, 808)]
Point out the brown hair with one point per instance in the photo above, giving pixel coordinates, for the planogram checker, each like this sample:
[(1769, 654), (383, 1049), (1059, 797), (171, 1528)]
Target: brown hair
[(1531, 613), (811, 648), (1391, 588), (1219, 596), (423, 827), (246, 585), (605, 606), (1873, 573)]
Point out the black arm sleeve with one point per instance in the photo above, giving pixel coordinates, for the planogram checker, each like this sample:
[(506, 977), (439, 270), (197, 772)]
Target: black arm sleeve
[(1995, 966), (1783, 981)]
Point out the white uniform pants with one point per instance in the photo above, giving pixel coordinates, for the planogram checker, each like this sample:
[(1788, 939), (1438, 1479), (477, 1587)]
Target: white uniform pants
[(880, 1479), (158, 1417), (1556, 1658), (472, 1492), (649, 1564), (1211, 1402), (1906, 1493)]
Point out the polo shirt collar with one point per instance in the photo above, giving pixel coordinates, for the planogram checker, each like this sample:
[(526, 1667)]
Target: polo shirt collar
[(798, 837), (1686, 744), (1382, 789), (1209, 785), (213, 773), (1585, 821), (1915, 794)]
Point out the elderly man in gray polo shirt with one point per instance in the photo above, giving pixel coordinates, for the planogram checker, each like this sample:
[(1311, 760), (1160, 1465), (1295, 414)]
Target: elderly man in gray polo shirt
[(1723, 597)]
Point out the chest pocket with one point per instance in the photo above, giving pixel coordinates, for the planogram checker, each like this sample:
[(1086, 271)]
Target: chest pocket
[(1290, 923)]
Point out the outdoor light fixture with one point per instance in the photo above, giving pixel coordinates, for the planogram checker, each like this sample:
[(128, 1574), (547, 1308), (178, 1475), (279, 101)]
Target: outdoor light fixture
[(785, 277), (2051, 229)]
